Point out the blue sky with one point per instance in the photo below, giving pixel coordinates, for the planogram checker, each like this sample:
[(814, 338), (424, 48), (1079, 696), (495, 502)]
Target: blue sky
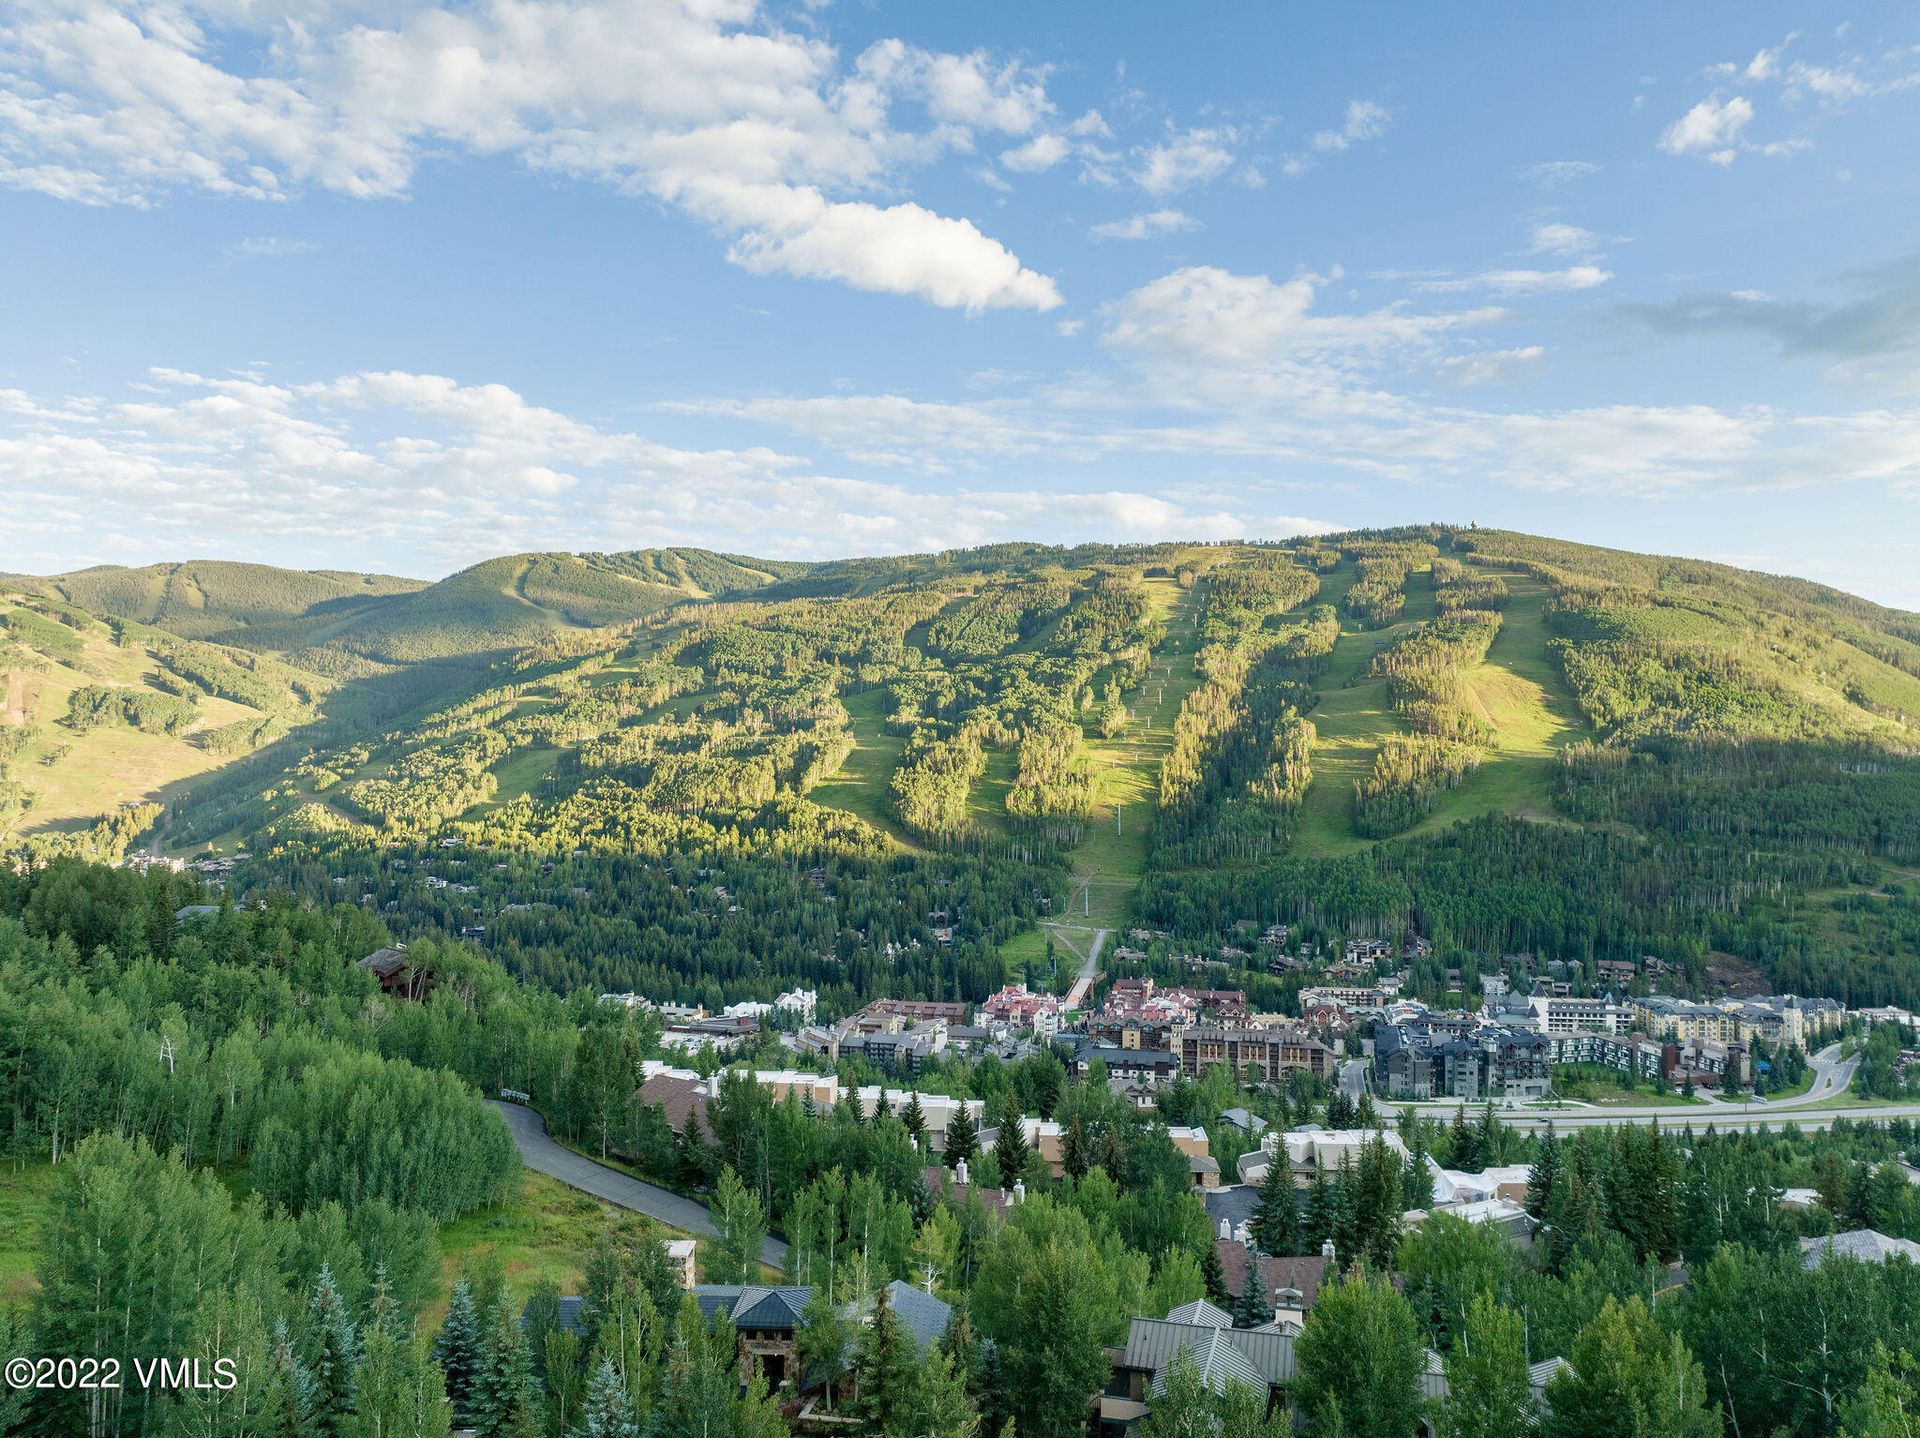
[(379, 284)]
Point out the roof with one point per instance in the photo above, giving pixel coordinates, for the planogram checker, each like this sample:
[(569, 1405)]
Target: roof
[(753, 1306), (1540, 1374), (925, 1316), (194, 911), (1304, 1275), (1262, 1359), (384, 962), (681, 1098), (1201, 1312), (1863, 1244)]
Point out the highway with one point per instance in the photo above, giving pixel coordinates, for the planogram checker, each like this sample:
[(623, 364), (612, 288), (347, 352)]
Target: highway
[(1815, 1109)]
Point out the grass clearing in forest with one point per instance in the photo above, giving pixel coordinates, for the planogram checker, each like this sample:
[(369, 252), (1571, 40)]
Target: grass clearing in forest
[(860, 788), (543, 1231), (26, 1203)]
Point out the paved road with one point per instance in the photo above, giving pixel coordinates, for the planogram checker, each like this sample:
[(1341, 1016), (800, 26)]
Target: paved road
[(1814, 1109), (1078, 993), (538, 1151)]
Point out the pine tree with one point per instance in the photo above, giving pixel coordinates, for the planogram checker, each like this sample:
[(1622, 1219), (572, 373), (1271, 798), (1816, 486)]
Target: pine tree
[(963, 1139), (1073, 1150), (457, 1347), (500, 1394), (1275, 1227), (886, 1368), (609, 1409), (1214, 1275), (290, 1396), (1544, 1179), (915, 1118), (1010, 1148), (1251, 1308), (336, 1356)]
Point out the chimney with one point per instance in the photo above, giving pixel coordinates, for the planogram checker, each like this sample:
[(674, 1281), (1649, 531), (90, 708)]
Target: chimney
[(1019, 1190), (1326, 1250), (960, 1173), (1226, 1230)]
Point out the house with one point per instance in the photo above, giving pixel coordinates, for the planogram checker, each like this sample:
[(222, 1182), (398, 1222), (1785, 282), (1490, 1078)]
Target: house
[(1290, 1284), (1861, 1244), (390, 967), (766, 1325), (1260, 1358), (960, 1188), (683, 1100), (767, 1320), (1202, 1167)]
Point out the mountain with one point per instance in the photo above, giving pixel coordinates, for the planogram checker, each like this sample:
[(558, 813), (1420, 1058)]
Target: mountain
[(216, 599), (520, 599), (1500, 741)]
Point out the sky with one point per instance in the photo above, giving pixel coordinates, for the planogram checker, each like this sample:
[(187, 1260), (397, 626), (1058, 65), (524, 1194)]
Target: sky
[(397, 286)]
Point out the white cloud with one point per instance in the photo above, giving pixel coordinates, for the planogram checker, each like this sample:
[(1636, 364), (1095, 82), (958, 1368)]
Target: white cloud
[(368, 467), (1562, 239), (1552, 174), (755, 130), (1042, 152), (1364, 120), (1492, 366), (1185, 159), (1150, 225), (268, 247), (1522, 281), (1253, 325), (1710, 128)]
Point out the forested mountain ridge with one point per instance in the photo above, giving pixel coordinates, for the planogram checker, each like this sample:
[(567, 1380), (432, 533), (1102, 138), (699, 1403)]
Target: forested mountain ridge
[(887, 770)]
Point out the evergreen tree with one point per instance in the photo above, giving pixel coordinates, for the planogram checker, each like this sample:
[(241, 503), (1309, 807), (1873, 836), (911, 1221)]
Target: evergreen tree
[(1074, 1158), (336, 1357), (1251, 1308), (1010, 1147), (915, 1118), (1544, 1179), (886, 1368), (609, 1407), (962, 1140), (457, 1346), (1275, 1226), (290, 1397), (1214, 1276), (500, 1396)]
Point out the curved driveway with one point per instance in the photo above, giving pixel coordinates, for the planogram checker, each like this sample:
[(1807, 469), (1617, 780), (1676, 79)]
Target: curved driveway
[(539, 1151)]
